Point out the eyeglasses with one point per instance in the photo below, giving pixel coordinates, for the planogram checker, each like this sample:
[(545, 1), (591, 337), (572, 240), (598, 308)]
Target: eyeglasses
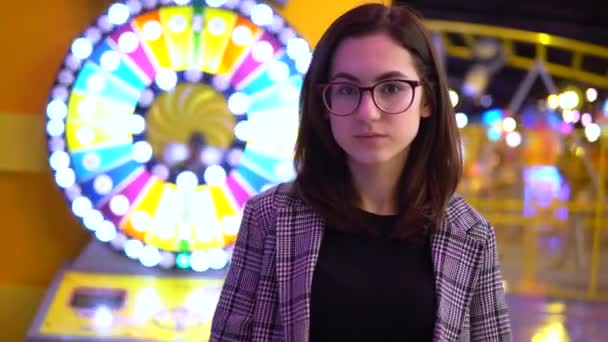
[(390, 96)]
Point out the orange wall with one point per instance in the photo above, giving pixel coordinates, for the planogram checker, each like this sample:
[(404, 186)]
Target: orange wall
[(35, 35)]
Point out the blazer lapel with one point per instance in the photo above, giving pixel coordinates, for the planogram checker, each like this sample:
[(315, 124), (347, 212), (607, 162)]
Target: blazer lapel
[(299, 231), (456, 260)]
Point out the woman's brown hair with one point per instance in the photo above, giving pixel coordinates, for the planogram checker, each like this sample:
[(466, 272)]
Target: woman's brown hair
[(434, 163)]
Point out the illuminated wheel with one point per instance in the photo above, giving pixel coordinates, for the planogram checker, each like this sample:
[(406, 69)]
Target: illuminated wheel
[(167, 116)]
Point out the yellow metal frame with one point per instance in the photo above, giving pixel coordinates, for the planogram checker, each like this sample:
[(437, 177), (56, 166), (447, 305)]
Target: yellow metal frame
[(509, 37)]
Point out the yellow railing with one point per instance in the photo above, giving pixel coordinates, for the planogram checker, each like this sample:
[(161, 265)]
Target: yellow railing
[(510, 38)]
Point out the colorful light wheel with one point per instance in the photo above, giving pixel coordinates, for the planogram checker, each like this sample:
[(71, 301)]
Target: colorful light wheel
[(167, 116)]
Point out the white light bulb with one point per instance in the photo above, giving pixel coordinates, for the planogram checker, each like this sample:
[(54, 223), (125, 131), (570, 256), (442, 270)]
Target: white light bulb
[(65, 178), (261, 14), (216, 26), (262, 51), (59, 160), (86, 108), (215, 3), (57, 110), (178, 24), (82, 48), (142, 152), (136, 123), (141, 220), (152, 30), (81, 206), (133, 248), (150, 256), (186, 180), (215, 175), (242, 130), (103, 184), (128, 42), (91, 161), (85, 135), (106, 232), (119, 205), (461, 120), (118, 14), (242, 35), (166, 79), (55, 128), (110, 61), (278, 72), (239, 103)]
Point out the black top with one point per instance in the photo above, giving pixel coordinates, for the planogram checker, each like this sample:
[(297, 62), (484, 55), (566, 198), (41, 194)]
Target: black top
[(372, 288)]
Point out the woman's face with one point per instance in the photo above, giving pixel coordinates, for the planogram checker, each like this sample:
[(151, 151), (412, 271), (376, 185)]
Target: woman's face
[(371, 135)]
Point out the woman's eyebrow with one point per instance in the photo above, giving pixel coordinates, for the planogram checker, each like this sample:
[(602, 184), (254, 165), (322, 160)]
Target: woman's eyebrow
[(383, 76)]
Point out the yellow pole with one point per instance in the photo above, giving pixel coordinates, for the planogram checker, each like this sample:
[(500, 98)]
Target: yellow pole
[(599, 212)]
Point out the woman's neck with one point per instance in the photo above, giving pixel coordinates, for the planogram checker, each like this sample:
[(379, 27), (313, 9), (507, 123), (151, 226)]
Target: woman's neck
[(377, 186)]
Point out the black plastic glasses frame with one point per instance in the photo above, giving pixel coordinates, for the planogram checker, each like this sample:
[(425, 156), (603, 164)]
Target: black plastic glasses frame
[(412, 83)]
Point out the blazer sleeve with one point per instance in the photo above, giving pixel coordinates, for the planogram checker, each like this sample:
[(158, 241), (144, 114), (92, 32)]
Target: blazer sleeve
[(489, 312), (232, 320)]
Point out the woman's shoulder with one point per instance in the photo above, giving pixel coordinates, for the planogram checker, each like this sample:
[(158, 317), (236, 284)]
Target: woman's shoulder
[(276, 197), (461, 215)]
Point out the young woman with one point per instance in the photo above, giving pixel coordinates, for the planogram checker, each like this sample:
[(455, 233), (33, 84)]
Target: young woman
[(369, 243)]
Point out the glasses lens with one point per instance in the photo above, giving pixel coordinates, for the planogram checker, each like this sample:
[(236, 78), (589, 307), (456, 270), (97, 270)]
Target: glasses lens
[(341, 98), (393, 96)]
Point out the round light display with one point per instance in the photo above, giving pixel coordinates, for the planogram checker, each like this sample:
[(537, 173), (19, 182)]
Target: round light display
[(163, 123)]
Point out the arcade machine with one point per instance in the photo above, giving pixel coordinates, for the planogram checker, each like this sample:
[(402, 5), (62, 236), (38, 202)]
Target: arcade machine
[(165, 118)]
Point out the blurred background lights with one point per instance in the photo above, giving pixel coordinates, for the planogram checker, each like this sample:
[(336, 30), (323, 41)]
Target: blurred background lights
[(186, 180), (106, 232), (166, 79), (119, 205), (133, 248), (591, 94), (215, 3), (261, 14), (453, 97), (297, 47), (141, 221), (216, 26), (569, 99), (110, 61), (103, 184), (81, 206), (65, 178), (215, 175), (461, 120), (150, 256), (128, 42), (509, 124), (513, 139), (142, 151), (242, 35), (239, 103), (553, 101), (152, 30), (82, 48), (118, 14), (59, 160), (262, 51), (56, 109), (593, 132), (102, 317)]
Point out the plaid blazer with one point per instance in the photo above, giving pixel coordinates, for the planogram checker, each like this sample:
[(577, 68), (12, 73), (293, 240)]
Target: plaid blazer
[(266, 294)]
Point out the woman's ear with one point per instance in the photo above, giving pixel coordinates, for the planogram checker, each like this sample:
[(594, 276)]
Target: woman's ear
[(425, 111)]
